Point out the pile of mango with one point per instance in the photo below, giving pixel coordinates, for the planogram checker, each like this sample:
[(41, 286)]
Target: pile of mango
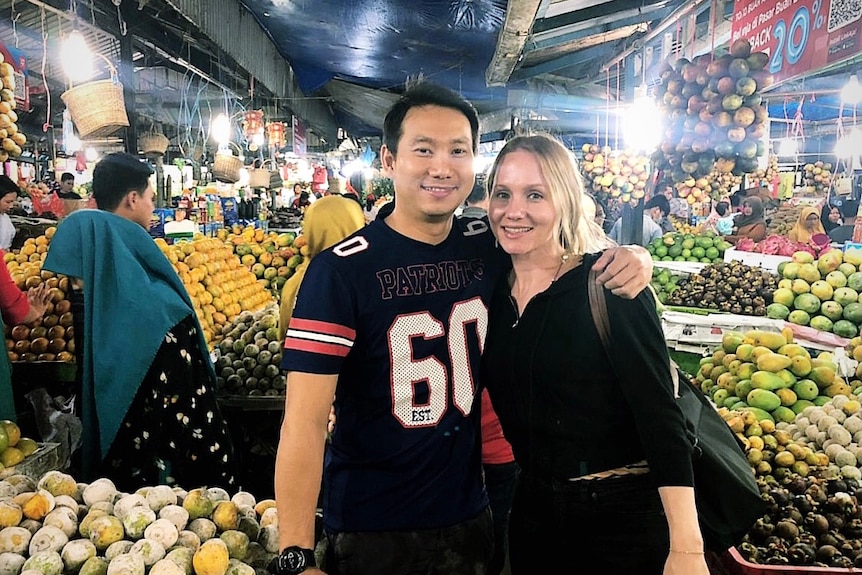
[(783, 219), (704, 248), (825, 293), (51, 337), (219, 286), (14, 448), (56, 525), (272, 257), (766, 373), (614, 174)]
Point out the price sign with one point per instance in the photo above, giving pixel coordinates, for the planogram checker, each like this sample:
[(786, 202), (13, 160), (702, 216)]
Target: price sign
[(799, 35), (18, 61)]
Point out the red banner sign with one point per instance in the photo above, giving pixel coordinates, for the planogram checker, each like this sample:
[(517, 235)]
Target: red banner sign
[(800, 35), (299, 142)]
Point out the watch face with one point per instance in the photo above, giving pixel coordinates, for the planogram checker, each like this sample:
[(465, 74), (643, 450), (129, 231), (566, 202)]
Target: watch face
[(294, 559)]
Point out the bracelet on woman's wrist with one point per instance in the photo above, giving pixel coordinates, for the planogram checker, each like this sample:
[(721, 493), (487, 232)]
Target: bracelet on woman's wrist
[(686, 552)]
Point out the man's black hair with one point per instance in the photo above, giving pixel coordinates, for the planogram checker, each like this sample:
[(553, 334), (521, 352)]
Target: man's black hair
[(721, 208), (420, 94), (115, 176), (67, 176), (659, 201)]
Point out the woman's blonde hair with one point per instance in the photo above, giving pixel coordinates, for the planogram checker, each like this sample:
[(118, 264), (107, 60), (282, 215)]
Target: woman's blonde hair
[(577, 231)]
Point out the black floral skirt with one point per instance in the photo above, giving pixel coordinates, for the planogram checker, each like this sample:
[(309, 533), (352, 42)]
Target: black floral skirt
[(174, 433)]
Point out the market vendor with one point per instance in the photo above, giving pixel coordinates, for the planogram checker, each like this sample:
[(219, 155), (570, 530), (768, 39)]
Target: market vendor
[(749, 223), (148, 401), (806, 226), (16, 307), (8, 196)]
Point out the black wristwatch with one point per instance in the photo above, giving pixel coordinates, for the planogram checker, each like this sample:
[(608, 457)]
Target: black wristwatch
[(292, 561)]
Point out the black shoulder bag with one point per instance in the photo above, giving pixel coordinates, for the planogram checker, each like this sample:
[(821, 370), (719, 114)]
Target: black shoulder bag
[(726, 492)]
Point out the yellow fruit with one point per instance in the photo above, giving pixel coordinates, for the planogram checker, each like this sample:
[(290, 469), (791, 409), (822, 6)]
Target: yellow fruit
[(211, 558), (39, 505), (10, 514), (12, 431), (226, 516), (11, 456)]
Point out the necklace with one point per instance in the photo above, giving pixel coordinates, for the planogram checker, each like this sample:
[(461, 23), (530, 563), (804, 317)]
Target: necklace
[(563, 261)]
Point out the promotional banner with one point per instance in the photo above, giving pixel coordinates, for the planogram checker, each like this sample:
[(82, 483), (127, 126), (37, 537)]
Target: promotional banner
[(18, 61), (800, 36), (299, 144)]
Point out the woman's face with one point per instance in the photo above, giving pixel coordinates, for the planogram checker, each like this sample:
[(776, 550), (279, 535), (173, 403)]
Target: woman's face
[(7, 202), (811, 221), (834, 215), (747, 209), (521, 213)]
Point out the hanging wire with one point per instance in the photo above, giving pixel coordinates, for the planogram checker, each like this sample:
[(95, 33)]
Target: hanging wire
[(607, 103), (15, 16), (617, 109), (47, 125)]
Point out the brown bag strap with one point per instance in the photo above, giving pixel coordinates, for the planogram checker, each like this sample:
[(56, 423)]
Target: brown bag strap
[(599, 311)]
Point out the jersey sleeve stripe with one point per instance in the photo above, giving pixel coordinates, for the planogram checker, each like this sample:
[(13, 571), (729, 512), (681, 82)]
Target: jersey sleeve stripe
[(321, 337), (323, 327), (316, 347)]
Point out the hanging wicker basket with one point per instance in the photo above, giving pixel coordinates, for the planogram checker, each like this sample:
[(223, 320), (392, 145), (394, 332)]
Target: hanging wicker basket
[(226, 166), (153, 144), (98, 108), (261, 177)]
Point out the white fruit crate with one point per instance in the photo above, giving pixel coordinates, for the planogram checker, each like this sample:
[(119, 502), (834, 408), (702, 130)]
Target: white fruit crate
[(764, 261)]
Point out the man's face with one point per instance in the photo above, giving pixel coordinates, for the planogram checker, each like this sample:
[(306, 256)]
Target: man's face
[(142, 206), (433, 171), (67, 185), (668, 192), (655, 213)]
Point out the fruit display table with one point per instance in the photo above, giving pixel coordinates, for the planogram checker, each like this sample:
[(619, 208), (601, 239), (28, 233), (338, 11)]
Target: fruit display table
[(765, 261)]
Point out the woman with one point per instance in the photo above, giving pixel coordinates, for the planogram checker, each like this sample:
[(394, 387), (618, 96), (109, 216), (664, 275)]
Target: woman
[(8, 196), (571, 413), (749, 223), (326, 222), (148, 402), (830, 217), (16, 307), (806, 226)]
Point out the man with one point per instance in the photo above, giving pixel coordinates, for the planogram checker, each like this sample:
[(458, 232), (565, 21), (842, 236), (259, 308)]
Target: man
[(651, 230), (679, 207), (147, 385), (67, 187), (394, 317), (477, 202), (659, 208), (844, 233)]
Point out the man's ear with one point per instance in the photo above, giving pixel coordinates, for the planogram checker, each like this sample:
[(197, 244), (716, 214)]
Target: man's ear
[(387, 158), (131, 198)]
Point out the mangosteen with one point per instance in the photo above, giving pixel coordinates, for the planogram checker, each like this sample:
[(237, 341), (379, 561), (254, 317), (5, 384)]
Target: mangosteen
[(787, 530), (817, 494), (801, 554), (794, 515), (736, 309), (829, 538), (841, 561), (816, 523), (761, 529), (758, 301), (808, 539), (780, 496), (797, 485), (826, 553), (747, 310), (750, 552), (833, 486), (777, 560), (760, 310)]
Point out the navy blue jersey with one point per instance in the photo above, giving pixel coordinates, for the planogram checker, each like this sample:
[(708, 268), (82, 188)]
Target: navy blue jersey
[(403, 325)]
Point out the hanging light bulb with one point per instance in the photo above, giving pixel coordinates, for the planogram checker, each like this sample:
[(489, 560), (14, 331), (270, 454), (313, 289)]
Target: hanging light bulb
[(220, 129), (76, 57), (851, 93)]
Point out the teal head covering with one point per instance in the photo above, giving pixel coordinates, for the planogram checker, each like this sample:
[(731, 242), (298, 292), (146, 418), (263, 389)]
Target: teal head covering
[(132, 297)]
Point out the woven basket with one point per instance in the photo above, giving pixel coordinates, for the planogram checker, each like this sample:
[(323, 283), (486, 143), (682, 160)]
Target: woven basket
[(260, 177), (226, 166), (97, 108), (153, 144)]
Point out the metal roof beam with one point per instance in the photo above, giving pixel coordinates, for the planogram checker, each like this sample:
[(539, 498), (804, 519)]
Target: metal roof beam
[(248, 43), (520, 16), (573, 32), (592, 13), (600, 51)]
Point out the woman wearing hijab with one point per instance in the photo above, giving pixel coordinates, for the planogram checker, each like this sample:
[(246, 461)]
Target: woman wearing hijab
[(749, 223), (147, 388), (830, 217), (326, 222), (806, 226)]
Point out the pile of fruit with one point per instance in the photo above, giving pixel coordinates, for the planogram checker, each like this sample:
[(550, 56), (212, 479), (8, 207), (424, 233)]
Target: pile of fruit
[(219, 286), (731, 287), (823, 293), (14, 448), (57, 525), (705, 248), (272, 257), (11, 139), (765, 176), (817, 178), (614, 174), (783, 219), (250, 355), (681, 226), (51, 337), (714, 114), (664, 282), (779, 246)]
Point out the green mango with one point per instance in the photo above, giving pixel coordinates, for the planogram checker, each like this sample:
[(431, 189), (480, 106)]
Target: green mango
[(759, 414), (766, 380), (743, 388), (763, 399), (785, 414)]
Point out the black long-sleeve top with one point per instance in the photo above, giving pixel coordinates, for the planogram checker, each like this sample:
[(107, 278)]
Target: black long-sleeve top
[(566, 408)]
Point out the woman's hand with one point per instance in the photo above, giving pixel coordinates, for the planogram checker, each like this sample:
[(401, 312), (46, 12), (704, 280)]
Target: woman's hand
[(38, 297), (625, 270), (685, 564)]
